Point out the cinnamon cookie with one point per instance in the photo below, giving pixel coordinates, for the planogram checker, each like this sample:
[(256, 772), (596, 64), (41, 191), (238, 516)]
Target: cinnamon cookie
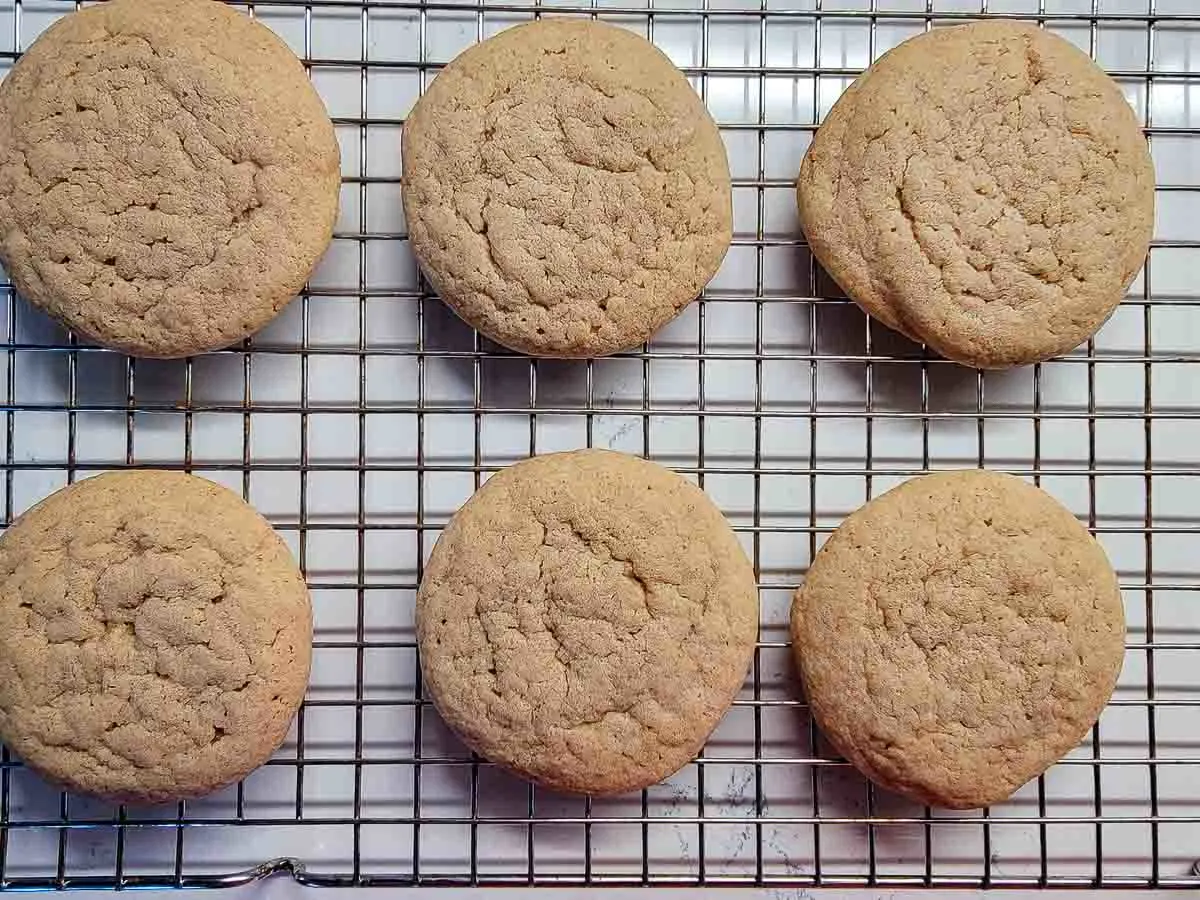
[(566, 191), (585, 620), (155, 637), (985, 189), (957, 635), (168, 176)]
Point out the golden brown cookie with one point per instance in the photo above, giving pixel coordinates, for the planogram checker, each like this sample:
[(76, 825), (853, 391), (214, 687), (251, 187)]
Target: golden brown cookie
[(986, 189), (566, 191), (155, 637), (585, 620), (957, 635), (168, 176)]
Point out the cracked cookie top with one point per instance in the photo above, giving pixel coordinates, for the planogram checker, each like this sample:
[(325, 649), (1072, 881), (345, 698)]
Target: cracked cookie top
[(985, 188), (585, 620), (168, 176), (566, 191), (957, 635), (155, 637)]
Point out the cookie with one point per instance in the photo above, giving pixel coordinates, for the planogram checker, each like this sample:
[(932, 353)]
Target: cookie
[(168, 176), (566, 191), (155, 637), (957, 635), (986, 189), (585, 620)]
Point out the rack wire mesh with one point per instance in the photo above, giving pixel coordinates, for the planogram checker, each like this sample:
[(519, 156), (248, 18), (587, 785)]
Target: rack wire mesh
[(367, 413)]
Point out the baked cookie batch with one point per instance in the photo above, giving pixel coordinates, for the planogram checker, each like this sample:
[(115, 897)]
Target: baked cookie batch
[(586, 618)]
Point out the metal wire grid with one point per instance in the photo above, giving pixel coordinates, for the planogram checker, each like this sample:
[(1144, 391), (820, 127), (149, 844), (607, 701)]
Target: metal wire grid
[(362, 418)]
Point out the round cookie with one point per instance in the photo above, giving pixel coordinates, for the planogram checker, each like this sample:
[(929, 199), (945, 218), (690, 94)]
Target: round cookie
[(566, 191), (168, 175), (155, 637), (585, 620), (957, 635), (984, 188)]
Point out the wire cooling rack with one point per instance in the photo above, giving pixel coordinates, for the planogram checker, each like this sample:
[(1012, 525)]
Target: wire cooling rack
[(366, 414)]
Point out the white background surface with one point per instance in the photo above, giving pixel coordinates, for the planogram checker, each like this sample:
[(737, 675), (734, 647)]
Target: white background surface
[(367, 413)]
